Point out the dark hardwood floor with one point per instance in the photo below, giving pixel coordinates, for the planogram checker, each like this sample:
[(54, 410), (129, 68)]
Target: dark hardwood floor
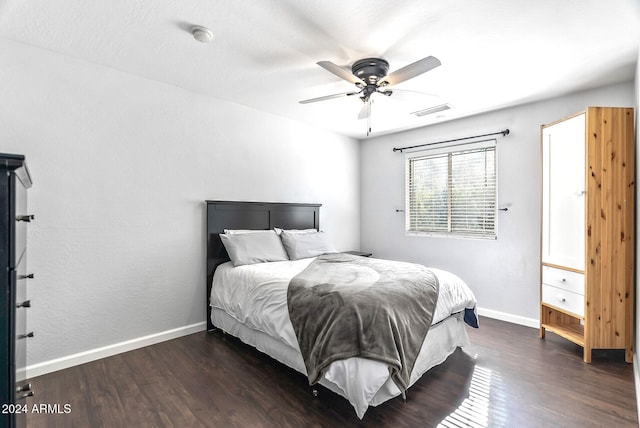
[(507, 378)]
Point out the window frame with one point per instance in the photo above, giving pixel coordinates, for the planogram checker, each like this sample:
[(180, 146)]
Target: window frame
[(449, 151)]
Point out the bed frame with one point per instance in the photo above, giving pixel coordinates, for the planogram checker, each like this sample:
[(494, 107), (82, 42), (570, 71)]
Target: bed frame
[(223, 215)]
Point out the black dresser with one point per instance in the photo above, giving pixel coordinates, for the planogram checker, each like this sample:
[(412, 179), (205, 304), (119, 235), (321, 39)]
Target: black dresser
[(14, 220)]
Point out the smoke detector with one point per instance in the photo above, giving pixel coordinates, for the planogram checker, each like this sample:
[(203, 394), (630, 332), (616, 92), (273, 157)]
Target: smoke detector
[(201, 34)]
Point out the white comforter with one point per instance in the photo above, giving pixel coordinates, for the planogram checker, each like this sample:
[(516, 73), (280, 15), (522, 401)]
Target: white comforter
[(256, 296)]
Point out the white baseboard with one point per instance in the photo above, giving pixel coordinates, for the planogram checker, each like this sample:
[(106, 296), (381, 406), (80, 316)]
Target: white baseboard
[(503, 316), (50, 366), (106, 351)]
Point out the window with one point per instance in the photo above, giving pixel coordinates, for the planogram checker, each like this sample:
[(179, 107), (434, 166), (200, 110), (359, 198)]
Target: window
[(452, 191)]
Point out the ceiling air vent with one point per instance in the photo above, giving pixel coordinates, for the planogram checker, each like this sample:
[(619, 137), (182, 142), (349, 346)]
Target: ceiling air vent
[(431, 110)]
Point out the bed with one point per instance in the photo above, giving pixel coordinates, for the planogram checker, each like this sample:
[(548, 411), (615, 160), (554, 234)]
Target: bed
[(239, 303)]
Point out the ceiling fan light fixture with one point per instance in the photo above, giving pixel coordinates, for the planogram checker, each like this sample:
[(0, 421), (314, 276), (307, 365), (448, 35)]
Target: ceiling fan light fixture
[(201, 34)]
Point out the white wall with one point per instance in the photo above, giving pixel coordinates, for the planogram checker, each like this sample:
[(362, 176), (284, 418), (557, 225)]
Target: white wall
[(121, 166), (504, 274)]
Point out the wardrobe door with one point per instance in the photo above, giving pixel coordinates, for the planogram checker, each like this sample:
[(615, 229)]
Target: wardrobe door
[(563, 193)]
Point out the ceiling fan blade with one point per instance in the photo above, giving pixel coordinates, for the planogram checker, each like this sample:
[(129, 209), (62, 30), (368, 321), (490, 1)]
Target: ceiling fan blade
[(405, 94), (340, 72), (328, 97), (411, 70)]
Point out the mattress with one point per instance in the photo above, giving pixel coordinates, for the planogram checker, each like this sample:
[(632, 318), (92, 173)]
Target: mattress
[(250, 302)]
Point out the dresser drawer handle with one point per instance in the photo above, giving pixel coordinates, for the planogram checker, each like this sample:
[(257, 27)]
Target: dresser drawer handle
[(23, 396), (26, 218), (23, 388), (563, 280), (24, 336), (25, 304), (562, 298), (30, 276)]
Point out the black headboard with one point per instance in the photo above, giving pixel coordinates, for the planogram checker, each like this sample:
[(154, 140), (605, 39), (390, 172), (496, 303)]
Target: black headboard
[(223, 215)]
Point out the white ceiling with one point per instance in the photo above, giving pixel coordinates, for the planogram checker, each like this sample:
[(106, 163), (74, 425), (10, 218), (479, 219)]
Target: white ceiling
[(494, 53)]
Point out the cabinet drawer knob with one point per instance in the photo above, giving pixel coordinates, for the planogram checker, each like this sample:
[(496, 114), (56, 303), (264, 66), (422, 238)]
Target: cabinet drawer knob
[(24, 336), (563, 280), (26, 218), (562, 298), (25, 304)]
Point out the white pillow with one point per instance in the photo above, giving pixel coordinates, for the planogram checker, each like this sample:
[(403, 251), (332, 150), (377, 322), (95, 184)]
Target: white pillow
[(279, 231), (255, 247), (303, 245), (239, 231)]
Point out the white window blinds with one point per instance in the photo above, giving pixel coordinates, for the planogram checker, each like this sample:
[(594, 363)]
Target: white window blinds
[(453, 192)]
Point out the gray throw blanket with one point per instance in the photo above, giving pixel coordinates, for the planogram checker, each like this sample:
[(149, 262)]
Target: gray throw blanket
[(344, 306)]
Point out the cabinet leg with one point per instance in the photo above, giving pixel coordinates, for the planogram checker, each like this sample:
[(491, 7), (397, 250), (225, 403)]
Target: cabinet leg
[(542, 332), (587, 355)]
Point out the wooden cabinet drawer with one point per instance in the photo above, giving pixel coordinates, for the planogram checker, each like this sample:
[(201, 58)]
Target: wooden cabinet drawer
[(563, 299), (20, 295), (564, 279)]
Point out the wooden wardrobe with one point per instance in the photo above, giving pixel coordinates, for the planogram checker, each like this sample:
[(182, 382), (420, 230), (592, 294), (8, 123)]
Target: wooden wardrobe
[(587, 244)]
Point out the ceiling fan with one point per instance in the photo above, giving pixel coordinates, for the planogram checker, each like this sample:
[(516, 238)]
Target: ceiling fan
[(370, 77)]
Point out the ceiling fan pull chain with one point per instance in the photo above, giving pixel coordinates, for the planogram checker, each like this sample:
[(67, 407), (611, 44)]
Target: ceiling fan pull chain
[(369, 117)]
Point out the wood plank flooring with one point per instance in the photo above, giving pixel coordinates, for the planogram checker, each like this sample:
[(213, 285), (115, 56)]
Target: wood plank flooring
[(507, 378)]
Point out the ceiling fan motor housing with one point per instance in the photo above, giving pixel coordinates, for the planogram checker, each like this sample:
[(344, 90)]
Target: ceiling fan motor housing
[(370, 70)]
